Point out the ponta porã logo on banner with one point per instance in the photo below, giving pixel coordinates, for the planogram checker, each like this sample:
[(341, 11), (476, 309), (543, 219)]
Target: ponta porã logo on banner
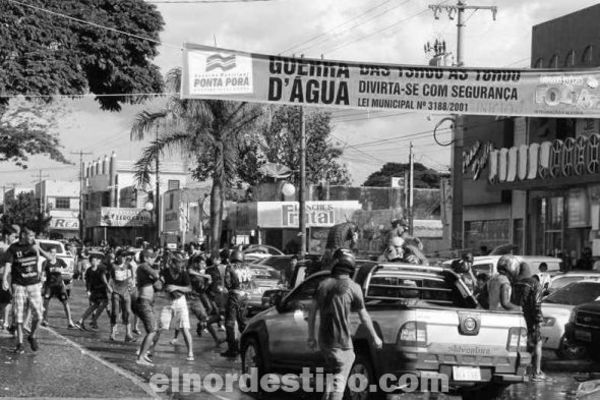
[(219, 73)]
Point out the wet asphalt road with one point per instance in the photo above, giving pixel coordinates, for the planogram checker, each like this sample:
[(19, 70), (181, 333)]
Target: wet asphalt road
[(170, 360)]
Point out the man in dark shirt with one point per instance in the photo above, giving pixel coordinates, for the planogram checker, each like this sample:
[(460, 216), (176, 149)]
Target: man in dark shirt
[(97, 287), (237, 280), (527, 292), (55, 286), (335, 299), (25, 272)]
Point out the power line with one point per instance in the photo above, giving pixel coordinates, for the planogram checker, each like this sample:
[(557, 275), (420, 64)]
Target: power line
[(206, 1), (379, 31), (384, 12), (335, 27)]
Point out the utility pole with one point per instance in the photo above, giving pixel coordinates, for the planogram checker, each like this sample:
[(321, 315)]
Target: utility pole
[(40, 178), (157, 196), (411, 198), (458, 10), (81, 189), (302, 189)]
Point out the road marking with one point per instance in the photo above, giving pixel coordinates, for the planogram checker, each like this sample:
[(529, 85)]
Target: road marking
[(133, 378)]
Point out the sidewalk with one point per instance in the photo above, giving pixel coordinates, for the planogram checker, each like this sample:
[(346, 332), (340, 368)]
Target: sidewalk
[(61, 368)]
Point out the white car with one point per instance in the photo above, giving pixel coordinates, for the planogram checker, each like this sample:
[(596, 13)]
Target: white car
[(61, 253), (489, 264), (562, 280), (556, 309)]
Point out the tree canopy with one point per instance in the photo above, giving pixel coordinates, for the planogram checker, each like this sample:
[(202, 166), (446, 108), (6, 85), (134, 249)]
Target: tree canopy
[(281, 138), (424, 177), (44, 54), (23, 210)]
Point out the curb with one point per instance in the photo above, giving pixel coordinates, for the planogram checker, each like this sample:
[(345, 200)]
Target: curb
[(133, 378)]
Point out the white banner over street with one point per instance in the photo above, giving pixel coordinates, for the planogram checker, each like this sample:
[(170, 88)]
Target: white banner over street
[(214, 73)]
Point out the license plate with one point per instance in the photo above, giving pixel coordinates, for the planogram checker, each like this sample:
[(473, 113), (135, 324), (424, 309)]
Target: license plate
[(466, 373), (585, 336)]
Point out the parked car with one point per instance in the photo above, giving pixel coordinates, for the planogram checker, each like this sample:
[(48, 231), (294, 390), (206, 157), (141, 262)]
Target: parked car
[(562, 280), (61, 253), (489, 264), (557, 308), (584, 327), (257, 252), (264, 278), (430, 325)]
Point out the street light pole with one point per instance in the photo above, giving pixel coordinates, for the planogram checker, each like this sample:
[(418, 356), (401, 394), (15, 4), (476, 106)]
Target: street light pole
[(302, 188), (157, 196)]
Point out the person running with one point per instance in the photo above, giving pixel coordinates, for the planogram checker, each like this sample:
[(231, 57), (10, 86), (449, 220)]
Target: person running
[(176, 314), (200, 281), (121, 275), (146, 277), (54, 286), (97, 288), (214, 295), (238, 278), (25, 272), (336, 297)]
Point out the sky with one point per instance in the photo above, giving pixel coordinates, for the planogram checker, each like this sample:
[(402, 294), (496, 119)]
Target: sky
[(378, 31)]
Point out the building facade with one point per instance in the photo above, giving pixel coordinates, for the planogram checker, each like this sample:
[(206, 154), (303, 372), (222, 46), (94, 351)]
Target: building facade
[(535, 182), (116, 209), (60, 200), (185, 214)]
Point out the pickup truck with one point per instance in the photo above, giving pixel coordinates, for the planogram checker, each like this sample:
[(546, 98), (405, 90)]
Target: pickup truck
[(430, 324)]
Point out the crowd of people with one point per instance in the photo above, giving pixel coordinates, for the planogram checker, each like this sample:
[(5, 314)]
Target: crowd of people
[(123, 285)]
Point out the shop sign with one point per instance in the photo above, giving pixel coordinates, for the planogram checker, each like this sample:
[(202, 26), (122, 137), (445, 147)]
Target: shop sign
[(286, 214), (124, 217), (215, 73), (71, 224), (551, 159)]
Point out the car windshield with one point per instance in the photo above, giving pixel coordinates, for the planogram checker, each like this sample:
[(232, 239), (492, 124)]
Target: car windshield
[(563, 281), (575, 293), (266, 273), (390, 289), (49, 246), (279, 263)]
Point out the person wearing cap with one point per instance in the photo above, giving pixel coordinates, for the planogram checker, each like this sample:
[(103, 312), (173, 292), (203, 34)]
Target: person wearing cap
[(336, 298), (97, 287), (121, 275), (146, 277), (238, 279), (176, 315)]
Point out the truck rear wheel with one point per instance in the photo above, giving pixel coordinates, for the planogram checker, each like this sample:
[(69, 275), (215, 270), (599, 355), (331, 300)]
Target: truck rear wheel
[(362, 370)]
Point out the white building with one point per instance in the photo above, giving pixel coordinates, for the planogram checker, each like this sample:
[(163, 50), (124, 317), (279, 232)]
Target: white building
[(123, 221), (60, 199)]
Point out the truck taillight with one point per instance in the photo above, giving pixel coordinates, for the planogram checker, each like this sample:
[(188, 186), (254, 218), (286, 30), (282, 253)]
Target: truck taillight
[(413, 334), (517, 339)]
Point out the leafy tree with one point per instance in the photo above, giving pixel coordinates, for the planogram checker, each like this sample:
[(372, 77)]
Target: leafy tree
[(424, 177), (24, 210), (43, 55), (281, 137), (212, 133)]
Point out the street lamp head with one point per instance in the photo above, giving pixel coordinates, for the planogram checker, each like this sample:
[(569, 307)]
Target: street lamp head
[(149, 206), (288, 189)]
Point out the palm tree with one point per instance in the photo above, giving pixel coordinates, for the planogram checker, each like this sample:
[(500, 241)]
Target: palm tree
[(212, 133)]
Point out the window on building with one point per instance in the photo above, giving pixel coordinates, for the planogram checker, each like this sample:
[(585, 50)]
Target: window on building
[(62, 203), (171, 200), (539, 63), (173, 184), (570, 59), (553, 62), (106, 199), (587, 56)]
